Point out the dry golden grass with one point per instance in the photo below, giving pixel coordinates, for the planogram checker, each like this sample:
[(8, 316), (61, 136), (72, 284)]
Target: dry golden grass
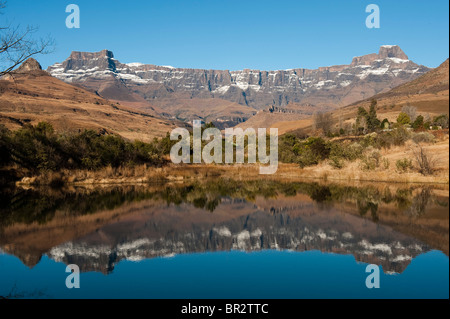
[(352, 172), (35, 98)]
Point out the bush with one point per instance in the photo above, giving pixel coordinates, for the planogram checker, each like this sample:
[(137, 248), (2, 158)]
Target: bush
[(423, 137), (336, 162), (307, 158), (403, 165), (344, 151), (312, 151), (386, 163), (399, 136), (370, 140), (289, 148), (372, 160), (318, 147), (386, 140), (354, 151)]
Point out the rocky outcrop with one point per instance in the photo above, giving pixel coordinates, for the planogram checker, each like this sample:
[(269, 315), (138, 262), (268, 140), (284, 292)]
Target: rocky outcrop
[(392, 51), (29, 65)]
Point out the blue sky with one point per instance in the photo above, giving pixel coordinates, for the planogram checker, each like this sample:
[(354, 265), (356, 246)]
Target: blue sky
[(238, 34)]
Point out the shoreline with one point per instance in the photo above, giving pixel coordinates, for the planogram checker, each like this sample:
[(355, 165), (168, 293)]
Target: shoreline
[(189, 172)]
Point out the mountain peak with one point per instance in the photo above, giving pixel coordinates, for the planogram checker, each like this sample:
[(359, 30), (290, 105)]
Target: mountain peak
[(392, 51), (29, 65), (76, 55), (385, 52)]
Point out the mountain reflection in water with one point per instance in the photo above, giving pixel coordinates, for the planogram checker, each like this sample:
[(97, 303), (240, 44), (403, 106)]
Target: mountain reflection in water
[(97, 228)]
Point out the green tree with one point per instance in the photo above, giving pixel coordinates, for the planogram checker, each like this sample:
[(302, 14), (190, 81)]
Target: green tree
[(403, 119), (361, 120), (373, 123), (418, 123)]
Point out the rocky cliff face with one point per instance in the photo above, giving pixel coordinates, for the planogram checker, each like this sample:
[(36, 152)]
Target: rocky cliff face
[(162, 85)]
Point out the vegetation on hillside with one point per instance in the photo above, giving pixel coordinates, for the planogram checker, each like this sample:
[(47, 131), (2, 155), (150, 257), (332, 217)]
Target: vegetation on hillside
[(364, 141), (39, 148)]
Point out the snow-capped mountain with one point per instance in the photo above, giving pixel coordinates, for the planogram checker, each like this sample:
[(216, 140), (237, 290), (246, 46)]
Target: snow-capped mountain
[(165, 85)]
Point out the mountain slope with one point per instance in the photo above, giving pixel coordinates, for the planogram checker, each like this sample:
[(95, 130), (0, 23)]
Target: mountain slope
[(251, 89), (429, 94), (32, 95)]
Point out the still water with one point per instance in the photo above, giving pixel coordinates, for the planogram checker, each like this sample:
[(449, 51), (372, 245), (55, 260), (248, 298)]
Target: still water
[(226, 239)]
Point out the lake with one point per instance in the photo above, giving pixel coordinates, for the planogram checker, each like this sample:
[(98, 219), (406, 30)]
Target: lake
[(223, 238)]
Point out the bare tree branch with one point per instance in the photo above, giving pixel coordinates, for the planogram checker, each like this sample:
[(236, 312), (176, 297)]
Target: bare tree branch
[(425, 160), (18, 44), (323, 121)]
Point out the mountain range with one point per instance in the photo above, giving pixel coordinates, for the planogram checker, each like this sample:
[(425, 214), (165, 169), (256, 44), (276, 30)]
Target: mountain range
[(227, 98), (95, 91)]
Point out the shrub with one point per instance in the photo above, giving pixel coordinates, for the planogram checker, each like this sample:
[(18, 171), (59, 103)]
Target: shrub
[(370, 140), (371, 161), (307, 158), (399, 136), (318, 147), (423, 137), (336, 162), (344, 151), (354, 151), (312, 151), (289, 148), (386, 163), (403, 165)]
